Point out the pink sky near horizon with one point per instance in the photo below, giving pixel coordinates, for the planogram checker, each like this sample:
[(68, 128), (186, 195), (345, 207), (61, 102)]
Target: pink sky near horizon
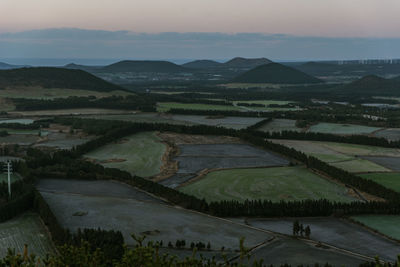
[(331, 18)]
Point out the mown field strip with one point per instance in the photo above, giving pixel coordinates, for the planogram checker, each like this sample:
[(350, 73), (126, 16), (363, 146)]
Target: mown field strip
[(138, 154), (275, 184)]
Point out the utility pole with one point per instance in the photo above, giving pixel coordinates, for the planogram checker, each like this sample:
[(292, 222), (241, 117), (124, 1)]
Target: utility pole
[(8, 169)]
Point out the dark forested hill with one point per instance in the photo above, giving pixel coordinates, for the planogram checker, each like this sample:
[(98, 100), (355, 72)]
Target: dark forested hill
[(275, 73), (144, 66), (372, 85), (81, 67), (202, 64), (47, 77), (239, 62)]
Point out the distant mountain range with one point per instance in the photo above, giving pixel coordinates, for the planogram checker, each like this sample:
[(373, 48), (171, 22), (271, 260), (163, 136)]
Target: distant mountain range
[(236, 63), (144, 66), (47, 77), (169, 67), (5, 66), (74, 66), (275, 73)]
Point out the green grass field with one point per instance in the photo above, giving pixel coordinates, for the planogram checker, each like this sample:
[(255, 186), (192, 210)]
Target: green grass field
[(389, 180), (386, 224), (332, 158), (138, 154), (360, 165), (335, 128), (344, 156), (275, 184), (25, 229), (165, 106), (361, 150)]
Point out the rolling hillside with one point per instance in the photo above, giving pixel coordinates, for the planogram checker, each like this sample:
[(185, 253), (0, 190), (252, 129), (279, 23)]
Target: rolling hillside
[(144, 66), (46, 77), (277, 74)]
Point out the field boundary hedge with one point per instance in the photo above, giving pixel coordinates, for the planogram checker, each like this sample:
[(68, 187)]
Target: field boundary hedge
[(17, 205), (258, 207)]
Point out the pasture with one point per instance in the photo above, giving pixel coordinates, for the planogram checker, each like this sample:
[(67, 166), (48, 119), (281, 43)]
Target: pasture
[(297, 253), (275, 184), (385, 224), (62, 141), (345, 129), (350, 157), (25, 229), (138, 154), (194, 158), (392, 163), (131, 214), (336, 232), (390, 180), (359, 166), (20, 139)]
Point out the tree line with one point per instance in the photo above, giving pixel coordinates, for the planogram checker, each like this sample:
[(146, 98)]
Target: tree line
[(311, 136), (112, 102), (110, 242)]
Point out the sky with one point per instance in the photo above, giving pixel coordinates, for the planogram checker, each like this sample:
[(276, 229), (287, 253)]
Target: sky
[(219, 29)]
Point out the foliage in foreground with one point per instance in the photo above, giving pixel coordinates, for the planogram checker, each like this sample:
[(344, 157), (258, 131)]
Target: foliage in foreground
[(140, 255)]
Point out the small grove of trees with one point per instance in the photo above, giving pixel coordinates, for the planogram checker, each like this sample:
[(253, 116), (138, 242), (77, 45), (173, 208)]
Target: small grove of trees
[(299, 229), (180, 243)]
